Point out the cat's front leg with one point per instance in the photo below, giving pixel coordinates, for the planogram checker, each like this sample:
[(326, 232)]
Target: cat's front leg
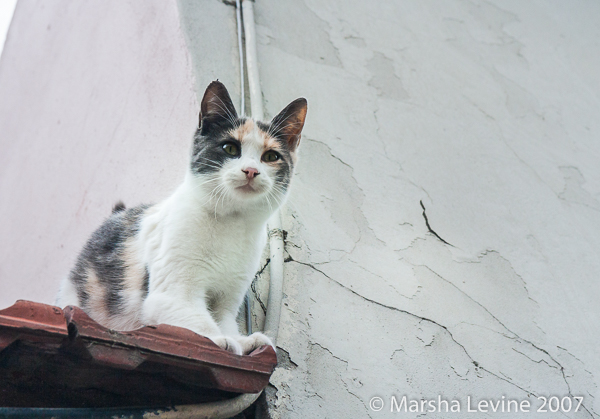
[(161, 307), (225, 313)]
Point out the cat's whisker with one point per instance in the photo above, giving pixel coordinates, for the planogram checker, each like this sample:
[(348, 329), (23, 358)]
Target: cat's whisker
[(269, 203), (211, 179), (207, 162), (290, 201), (211, 195), (224, 108), (275, 127), (216, 191), (227, 114), (279, 126), (279, 188), (214, 167), (216, 163), (285, 127), (211, 163), (280, 122), (221, 196), (278, 201)]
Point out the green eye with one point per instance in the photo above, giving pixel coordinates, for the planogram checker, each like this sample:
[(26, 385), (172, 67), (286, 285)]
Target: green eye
[(270, 156), (231, 149)]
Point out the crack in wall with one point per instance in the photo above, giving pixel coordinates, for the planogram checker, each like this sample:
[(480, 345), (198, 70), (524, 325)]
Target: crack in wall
[(539, 361), (429, 227), (328, 350), (474, 362), (312, 344), (253, 286), (283, 359), (515, 335)]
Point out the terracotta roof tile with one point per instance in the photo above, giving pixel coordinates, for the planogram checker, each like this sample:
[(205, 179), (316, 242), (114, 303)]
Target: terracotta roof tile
[(51, 358)]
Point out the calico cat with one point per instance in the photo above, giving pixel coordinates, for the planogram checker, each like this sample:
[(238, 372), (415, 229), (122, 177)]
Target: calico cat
[(189, 260)]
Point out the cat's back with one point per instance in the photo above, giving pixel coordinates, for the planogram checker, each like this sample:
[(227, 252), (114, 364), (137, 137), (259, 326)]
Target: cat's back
[(109, 280)]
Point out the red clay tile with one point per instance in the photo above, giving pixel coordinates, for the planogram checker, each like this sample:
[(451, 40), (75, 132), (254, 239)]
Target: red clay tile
[(53, 359)]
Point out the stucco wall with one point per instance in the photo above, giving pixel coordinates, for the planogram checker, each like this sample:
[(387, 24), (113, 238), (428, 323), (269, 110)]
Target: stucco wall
[(488, 113)]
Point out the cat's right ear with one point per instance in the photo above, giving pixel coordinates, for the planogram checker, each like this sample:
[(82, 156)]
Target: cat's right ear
[(216, 108)]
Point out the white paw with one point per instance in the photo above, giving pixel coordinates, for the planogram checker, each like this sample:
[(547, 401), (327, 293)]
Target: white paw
[(228, 343), (255, 340)]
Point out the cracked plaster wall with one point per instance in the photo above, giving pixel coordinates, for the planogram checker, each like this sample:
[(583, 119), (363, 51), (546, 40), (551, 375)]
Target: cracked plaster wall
[(485, 111)]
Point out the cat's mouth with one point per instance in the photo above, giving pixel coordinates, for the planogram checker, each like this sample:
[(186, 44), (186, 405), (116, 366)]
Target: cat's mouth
[(247, 188)]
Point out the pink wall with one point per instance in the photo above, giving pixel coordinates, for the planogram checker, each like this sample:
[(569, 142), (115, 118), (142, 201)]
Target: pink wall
[(97, 104)]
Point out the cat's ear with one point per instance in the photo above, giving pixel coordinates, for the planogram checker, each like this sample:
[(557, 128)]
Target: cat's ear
[(216, 107), (289, 122)]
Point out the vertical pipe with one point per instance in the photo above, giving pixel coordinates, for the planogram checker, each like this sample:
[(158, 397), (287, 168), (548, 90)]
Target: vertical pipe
[(252, 61), (274, 225), (238, 12)]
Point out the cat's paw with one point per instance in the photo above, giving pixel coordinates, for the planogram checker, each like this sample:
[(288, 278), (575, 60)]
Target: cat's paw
[(228, 343), (255, 340)]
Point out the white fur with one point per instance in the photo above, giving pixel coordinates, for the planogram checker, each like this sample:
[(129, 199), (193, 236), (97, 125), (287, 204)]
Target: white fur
[(203, 245), (67, 294)]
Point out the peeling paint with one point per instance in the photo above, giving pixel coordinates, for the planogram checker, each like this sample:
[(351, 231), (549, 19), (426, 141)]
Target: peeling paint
[(384, 79)]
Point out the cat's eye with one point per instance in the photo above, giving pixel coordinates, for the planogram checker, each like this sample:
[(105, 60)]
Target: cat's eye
[(270, 156), (231, 149)]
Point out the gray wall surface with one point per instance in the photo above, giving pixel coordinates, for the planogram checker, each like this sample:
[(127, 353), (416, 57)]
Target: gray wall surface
[(487, 112)]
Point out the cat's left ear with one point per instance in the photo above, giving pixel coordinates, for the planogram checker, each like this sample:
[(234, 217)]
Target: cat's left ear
[(289, 122), (216, 107)]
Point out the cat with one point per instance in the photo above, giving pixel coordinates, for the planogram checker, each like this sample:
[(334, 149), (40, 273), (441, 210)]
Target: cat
[(189, 260)]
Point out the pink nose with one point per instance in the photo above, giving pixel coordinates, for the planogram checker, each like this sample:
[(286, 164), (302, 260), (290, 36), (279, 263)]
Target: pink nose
[(250, 172)]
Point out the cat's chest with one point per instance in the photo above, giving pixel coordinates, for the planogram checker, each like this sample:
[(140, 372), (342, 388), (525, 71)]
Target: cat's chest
[(222, 249)]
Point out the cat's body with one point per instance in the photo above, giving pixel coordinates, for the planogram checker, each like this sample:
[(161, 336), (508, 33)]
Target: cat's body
[(189, 260)]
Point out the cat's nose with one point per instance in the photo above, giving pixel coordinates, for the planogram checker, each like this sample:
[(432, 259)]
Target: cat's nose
[(251, 172)]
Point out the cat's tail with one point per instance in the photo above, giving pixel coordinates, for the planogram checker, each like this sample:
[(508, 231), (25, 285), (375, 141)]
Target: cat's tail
[(119, 206)]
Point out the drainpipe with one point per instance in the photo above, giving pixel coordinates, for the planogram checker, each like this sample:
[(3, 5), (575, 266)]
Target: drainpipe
[(271, 327)]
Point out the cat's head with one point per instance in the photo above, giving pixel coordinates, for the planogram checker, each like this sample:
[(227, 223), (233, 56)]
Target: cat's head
[(241, 163)]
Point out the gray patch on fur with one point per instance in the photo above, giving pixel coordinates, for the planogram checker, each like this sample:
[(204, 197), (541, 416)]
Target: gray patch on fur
[(146, 282), (104, 254), (118, 207), (208, 155)]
